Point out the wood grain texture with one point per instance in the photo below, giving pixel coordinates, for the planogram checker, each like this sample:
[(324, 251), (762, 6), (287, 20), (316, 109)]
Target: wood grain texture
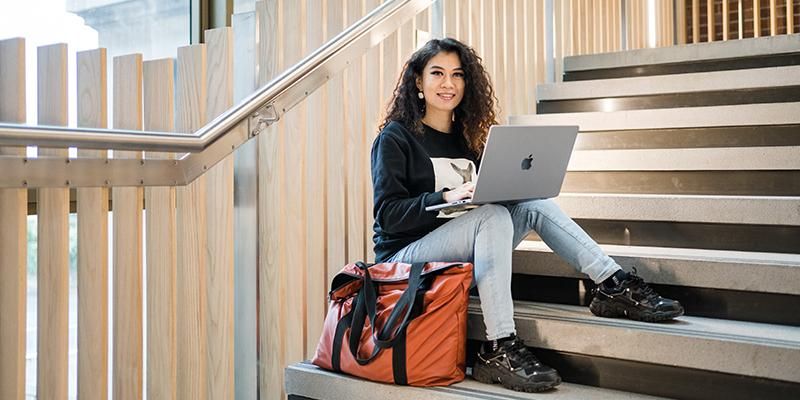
[(219, 211), (161, 246), (13, 234), (127, 226), (92, 236), (53, 232), (374, 110), (315, 176), (294, 273), (271, 223), (335, 184), (191, 219), (354, 127)]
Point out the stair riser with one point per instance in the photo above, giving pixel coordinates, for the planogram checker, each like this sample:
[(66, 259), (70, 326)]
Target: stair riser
[(651, 344), (687, 138), (736, 305), (761, 238), (776, 60), (673, 100), (657, 380)]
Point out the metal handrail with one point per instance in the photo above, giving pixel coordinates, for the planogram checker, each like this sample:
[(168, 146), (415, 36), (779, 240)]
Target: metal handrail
[(208, 145)]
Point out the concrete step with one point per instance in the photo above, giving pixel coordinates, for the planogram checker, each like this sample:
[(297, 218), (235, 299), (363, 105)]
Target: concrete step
[(757, 78), (308, 381), (715, 269), (758, 210), (704, 159), (666, 118), (713, 56), (741, 348)]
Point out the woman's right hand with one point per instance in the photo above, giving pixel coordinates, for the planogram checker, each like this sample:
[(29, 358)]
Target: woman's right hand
[(464, 191)]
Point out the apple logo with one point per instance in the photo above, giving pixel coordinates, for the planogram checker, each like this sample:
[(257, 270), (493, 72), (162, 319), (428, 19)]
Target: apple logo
[(527, 162)]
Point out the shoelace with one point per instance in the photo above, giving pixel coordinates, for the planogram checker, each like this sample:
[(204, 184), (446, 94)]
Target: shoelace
[(521, 354), (647, 291)]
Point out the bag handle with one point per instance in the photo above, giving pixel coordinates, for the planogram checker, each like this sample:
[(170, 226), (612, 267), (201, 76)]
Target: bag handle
[(366, 306)]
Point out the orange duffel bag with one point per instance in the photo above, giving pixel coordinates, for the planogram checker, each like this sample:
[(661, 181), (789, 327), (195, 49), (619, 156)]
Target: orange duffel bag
[(398, 323)]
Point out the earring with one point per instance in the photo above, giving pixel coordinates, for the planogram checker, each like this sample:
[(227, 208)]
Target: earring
[(420, 95)]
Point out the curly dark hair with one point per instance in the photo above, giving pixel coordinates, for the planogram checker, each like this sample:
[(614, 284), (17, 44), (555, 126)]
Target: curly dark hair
[(474, 115)]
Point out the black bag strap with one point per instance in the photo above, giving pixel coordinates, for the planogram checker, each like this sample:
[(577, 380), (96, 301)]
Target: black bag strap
[(366, 305)]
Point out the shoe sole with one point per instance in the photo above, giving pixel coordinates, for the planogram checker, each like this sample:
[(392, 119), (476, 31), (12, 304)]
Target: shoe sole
[(611, 311), (482, 375)]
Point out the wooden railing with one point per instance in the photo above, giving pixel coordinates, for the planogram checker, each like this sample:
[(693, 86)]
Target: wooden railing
[(314, 192), (714, 20)]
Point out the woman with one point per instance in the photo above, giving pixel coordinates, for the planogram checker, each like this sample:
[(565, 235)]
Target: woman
[(427, 153)]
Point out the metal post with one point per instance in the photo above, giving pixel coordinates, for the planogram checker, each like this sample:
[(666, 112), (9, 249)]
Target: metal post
[(623, 26), (549, 12), (437, 19)]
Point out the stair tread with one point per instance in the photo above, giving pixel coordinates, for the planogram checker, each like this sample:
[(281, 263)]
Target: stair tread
[(669, 84), (663, 118), (686, 53), (316, 381), (747, 271), (687, 159), (744, 348), (728, 256), (768, 210)]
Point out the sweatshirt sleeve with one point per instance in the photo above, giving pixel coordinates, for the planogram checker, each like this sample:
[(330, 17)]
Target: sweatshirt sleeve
[(395, 210)]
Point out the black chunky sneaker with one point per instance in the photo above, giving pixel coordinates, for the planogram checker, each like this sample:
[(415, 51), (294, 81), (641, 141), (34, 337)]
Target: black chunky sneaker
[(633, 298), (512, 365)]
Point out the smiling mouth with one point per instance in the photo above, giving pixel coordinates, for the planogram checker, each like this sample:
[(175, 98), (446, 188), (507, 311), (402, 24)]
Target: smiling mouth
[(447, 97)]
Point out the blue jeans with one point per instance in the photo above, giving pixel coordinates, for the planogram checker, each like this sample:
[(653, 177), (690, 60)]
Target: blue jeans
[(487, 236)]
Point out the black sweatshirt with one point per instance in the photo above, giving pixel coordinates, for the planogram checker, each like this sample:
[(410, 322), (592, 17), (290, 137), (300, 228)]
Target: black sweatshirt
[(409, 173)]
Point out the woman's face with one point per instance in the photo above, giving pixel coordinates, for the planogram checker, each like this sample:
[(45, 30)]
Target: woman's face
[(442, 82)]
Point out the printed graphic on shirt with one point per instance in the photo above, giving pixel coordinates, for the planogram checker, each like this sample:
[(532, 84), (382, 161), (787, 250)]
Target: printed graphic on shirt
[(451, 173)]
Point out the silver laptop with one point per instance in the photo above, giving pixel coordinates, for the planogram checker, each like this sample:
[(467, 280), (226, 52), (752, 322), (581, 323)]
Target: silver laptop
[(520, 163)]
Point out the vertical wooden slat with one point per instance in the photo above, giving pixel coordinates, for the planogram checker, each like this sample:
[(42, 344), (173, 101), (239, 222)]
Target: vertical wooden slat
[(53, 207), (354, 135), (756, 18), (695, 21), (464, 28), (528, 55), (501, 59), (789, 17), (516, 58), (314, 188), (373, 106), (710, 20), (488, 40), (725, 19), (127, 276), (92, 237), (270, 209), (219, 212), (294, 275), (450, 18), (335, 185), (680, 19), (773, 18), (191, 234), (162, 257), (13, 231), (591, 32)]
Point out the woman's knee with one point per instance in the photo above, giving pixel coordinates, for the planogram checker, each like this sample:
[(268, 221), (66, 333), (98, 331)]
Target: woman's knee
[(496, 216)]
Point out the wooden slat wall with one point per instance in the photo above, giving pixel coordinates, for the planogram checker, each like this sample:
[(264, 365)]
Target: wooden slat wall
[(161, 246), (219, 211), (127, 217), (738, 19), (270, 210), (292, 129), (92, 237), (53, 230), (191, 233), (315, 176), (13, 232)]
